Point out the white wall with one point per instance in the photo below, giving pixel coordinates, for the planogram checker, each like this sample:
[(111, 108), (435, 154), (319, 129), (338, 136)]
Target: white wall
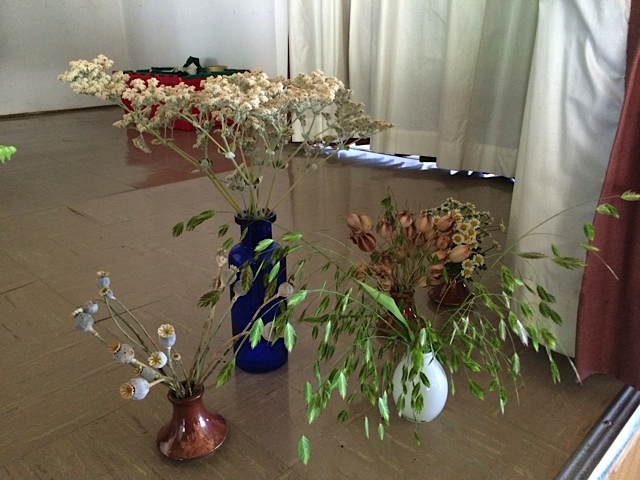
[(38, 38)]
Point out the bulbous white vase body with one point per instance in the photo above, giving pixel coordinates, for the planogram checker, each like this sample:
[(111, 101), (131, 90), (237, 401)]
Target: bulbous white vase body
[(434, 396)]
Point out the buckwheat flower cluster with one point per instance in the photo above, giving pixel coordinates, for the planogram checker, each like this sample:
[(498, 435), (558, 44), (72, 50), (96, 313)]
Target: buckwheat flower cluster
[(247, 117), (90, 78)]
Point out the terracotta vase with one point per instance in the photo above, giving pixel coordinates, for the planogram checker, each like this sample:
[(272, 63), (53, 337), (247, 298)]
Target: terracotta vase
[(193, 431), (450, 294)]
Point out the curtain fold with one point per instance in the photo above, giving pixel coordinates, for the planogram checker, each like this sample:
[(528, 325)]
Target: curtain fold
[(608, 332), (450, 74), (573, 106)]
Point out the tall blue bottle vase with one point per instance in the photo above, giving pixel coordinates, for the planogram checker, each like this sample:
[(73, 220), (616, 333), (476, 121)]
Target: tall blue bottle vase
[(266, 355)]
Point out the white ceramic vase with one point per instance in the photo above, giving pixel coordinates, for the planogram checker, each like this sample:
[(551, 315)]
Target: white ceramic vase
[(434, 396)]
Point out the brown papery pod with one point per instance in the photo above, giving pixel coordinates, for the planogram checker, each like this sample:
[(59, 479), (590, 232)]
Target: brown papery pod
[(405, 218), (410, 232), (366, 242), (385, 228), (354, 222), (366, 222), (360, 270), (444, 242), (445, 223), (385, 282), (459, 253), (423, 223), (420, 240)]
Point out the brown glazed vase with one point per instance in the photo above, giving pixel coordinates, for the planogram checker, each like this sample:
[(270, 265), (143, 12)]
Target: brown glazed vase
[(193, 431), (450, 294), (405, 303)]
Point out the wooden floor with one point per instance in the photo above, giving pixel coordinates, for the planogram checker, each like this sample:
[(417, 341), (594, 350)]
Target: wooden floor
[(78, 198)]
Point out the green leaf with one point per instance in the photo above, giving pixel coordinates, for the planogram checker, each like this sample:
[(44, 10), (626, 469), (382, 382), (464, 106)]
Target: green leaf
[(508, 281), (342, 384), (209, 299), (607, 209), (569, 262), (547, 312), (381, 431), (416, 436), (296, 298), (503, 398), (196, 220), (383, 407), (6, 152), (555, 373), (307, 392), (515, 364), (263, 245), (548, 338), (304, 450), (544, 295), (222, 231), (289, 337), (555, 251), (178, 228), (275, 269), (589, 231), (476, 390), (589, 248), (385, 301), (226, 372), (366, 426), (502, 329), (246, 277), (630, 196), (327, 331), (291, 237), (256, 332), (227, 243), (343, 416), (532, 255)]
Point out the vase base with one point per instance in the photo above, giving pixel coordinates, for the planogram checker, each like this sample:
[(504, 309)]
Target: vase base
[(193, 448), (262, 359)]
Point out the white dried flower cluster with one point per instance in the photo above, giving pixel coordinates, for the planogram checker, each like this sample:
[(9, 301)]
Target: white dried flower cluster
[(90, 78), (247, 117)]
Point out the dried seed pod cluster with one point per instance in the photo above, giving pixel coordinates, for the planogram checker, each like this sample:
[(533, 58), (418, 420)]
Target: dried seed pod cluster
[(418, 250)]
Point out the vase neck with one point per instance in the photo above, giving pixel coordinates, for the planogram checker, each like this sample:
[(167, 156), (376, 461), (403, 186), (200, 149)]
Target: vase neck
[(255, 229)]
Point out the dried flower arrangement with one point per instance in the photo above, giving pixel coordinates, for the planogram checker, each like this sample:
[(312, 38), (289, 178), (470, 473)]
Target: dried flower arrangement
[(470, 337), (164, 365), (247, 117)]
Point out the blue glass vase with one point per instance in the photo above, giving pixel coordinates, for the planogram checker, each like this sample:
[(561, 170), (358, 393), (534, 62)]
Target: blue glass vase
[(267, 355)]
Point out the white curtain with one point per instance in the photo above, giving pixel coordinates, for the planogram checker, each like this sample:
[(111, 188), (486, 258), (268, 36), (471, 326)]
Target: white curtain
[(573, 107), (450, 74)]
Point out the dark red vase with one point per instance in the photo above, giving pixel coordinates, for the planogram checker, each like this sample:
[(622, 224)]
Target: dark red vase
[(450, 294), (193, 432), (405, 303)]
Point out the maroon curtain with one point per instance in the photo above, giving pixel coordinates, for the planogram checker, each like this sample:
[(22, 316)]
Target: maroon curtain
[(608, 329)]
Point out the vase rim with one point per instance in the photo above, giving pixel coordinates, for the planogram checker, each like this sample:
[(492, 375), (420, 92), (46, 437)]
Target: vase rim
[(197, 394), (245, 218)]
